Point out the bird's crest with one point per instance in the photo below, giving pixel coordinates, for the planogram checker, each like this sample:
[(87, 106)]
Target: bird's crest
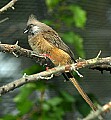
[(32, 19)]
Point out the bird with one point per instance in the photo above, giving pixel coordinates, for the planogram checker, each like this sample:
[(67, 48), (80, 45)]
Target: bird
[(44, 40)]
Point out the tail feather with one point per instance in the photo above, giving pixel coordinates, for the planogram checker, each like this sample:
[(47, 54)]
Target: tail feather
[(65, 76), (80, 90)]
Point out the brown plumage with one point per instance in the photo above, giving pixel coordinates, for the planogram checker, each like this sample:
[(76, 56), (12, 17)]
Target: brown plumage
[(44, 40)]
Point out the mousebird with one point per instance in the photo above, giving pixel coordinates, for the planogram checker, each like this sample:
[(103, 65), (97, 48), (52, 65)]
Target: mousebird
[(46, 41)]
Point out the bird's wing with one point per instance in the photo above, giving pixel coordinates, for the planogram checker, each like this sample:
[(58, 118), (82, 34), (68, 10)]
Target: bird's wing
[(53, 38)]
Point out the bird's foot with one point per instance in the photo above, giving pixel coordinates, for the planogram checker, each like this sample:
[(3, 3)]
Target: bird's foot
[(47, 68), (45, 55)]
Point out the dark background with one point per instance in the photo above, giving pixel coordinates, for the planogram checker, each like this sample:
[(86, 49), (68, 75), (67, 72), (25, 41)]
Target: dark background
[(96, 35)]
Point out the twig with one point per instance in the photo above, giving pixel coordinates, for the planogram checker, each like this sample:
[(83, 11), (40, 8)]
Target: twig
[(9, 5), (98, 54), (94, 115), (1, 21)]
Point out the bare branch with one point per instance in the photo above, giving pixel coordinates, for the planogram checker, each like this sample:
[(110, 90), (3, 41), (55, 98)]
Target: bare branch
[(95, 63), (94, 115), (19, 51), (31, 78), (9, 5)]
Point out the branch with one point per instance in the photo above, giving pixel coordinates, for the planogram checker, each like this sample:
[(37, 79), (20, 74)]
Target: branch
[(19, 51), (94, 115), (95, 63), (31, 78), (9, 5)]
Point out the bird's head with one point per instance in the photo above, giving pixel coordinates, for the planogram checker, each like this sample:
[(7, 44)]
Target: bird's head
[(34, 26)]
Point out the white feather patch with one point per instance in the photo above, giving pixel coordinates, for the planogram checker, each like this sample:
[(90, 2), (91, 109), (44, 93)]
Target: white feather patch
[(35, 29)]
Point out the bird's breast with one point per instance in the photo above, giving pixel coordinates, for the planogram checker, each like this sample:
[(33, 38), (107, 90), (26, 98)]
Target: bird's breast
[(56, 55), (39, 44)]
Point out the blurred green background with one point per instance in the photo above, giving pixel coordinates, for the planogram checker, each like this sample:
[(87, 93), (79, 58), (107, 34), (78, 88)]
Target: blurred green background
[(85, 26)]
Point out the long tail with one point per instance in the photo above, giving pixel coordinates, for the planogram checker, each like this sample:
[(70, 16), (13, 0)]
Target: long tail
[(80, 90)]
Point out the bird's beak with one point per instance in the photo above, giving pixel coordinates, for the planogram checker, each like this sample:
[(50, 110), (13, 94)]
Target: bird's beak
[(26, 30)]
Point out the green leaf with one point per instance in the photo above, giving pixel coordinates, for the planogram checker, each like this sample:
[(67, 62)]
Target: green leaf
[(25, 92), (45, 107), (67, 97), (22, 102), (82, 106), (9, 117), (33, 69), (25, 106), (59, 112), (75, 40), (48, 22), (51, 3), (79, 15), (54, 101), (41, 86)]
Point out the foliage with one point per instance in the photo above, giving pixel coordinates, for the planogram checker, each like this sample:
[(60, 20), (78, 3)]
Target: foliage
[(40, 108), (76, 40), (68, 16), (79, 15), (51, 4)]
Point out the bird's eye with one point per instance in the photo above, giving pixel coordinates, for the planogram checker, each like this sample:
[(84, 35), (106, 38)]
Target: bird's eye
[(31, 25), (28, 28)]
